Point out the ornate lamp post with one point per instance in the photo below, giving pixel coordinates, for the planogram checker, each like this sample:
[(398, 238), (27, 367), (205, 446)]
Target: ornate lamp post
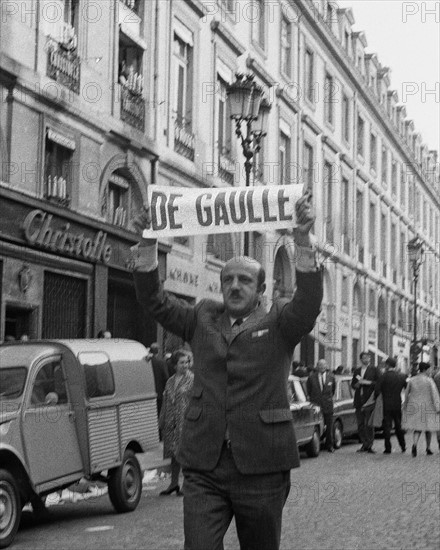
[(247, 104), (415, 253)]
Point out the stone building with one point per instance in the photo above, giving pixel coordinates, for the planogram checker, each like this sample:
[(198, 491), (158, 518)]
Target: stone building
[(102, 99)]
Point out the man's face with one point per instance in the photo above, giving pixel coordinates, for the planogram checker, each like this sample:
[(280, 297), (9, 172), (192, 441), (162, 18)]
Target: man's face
[(321, 366), (365, 359), (240, 289)]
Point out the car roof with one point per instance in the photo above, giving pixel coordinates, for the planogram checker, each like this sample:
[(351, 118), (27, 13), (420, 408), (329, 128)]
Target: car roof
[(21, 353)]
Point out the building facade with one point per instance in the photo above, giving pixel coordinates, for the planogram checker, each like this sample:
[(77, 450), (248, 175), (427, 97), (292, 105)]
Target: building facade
[(102, 99)]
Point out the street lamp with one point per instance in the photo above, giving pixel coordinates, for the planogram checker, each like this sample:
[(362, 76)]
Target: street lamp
[(247, 104), (415, 254)]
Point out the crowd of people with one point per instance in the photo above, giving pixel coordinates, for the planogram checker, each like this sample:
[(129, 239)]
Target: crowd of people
[(383, 397)]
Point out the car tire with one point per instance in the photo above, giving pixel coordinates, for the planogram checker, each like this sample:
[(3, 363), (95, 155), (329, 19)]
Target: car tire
[(10, 508), (338, 434), (125, 484), (314, 446)]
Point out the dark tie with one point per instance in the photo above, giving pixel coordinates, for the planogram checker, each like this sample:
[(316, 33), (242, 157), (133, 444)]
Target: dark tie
[(238, 322)]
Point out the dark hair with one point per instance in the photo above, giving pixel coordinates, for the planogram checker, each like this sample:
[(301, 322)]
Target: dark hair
[(391, 362), (424, 366), (362, 353), (176, 355)]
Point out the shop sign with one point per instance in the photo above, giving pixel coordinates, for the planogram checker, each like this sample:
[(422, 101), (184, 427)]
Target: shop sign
[(39, 229), (181, 276)]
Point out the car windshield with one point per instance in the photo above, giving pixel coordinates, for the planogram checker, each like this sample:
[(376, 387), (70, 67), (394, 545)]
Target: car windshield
[(12, 381)]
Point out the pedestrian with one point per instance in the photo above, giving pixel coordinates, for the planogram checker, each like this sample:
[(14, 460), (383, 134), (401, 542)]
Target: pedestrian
[(390, 386), (436, 379), (421, 410), (160, 372), (363, 382), (321, 387), (175, 402), (238, 441)]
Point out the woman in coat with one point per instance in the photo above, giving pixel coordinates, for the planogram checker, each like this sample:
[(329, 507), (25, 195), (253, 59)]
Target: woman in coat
[(421, 410), (175, 402)]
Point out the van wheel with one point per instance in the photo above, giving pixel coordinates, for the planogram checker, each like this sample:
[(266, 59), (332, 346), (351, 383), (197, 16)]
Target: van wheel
[(313, 448), (125, 484), (338, 435), (10, 508)]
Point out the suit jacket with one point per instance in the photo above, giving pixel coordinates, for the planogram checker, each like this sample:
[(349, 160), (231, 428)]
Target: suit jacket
[(324, 397), (240, 376), (160, 371), (390, 385), (362, 393)]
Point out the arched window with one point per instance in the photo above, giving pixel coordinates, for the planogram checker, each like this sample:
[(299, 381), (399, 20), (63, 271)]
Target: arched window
[(282, 275), (383, 326), (357, 298)]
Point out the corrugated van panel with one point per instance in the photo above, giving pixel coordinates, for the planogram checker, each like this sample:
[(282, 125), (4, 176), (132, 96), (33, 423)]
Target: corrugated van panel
[(103, 439), (139, 422)]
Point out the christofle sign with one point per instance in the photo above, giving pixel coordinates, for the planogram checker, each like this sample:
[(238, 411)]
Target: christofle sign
[(39, 230)]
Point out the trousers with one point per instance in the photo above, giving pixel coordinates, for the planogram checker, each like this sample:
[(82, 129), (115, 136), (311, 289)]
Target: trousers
[(388, 417), (366, 432), (212, 499)]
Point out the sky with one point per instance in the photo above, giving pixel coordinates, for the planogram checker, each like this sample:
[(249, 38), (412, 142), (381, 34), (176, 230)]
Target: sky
[(406, 37)]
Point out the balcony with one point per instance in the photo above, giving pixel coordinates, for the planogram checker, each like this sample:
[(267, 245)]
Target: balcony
[(56, 191), (184, 140), (133, 107), (64, 65), (226, 167)]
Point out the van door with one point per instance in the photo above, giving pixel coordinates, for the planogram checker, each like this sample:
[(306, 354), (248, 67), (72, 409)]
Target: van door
[(49, 434)]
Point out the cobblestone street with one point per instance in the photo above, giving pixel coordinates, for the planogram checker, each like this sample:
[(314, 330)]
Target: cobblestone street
[(345, 500)]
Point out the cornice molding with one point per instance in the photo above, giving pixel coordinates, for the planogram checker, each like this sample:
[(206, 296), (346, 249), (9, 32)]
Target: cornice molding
[(311, 124), (196, 6), (221, 30), (260, 71)]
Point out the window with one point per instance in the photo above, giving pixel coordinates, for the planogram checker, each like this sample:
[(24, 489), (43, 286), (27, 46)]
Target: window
[(98, 374), (224, 121), (131, 80), (344, 291), (360, 224), (286, 47), (402, 257), (308, 75), (394, 178), (329, 98), (328, 184), (402, 188), (393, 251), (417, 205), (49, 386), (346, 118), (346, 392), (383, 242), (360, 136), (259, 22), (424, 215), (58, 167), (372, 302), (117, 199), (372, 234), (373, 152), (183, 96), (308, 165), (384, 165), (284, 159), (345, 211)]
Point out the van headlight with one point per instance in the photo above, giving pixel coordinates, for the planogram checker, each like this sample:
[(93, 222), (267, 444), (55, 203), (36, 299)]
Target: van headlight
[(4, 428)]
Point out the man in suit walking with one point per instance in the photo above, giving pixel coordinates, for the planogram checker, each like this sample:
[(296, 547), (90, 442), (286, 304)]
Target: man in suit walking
[(160, 372), (238, 442), (363, 382), (390, 385), (321, 388)]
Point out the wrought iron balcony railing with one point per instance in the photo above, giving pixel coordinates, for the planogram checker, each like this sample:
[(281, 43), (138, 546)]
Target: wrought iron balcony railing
[(184, 140), (132, 108), (64, 66)]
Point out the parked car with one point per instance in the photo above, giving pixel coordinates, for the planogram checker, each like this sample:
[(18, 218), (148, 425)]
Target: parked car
[(307, 418), (72, 409)]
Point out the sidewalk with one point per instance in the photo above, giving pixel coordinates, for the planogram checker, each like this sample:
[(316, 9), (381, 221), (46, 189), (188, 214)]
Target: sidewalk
[(153, 460)]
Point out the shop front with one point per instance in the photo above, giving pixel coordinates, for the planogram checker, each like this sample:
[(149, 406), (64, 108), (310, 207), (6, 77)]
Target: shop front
[(65, 275)]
